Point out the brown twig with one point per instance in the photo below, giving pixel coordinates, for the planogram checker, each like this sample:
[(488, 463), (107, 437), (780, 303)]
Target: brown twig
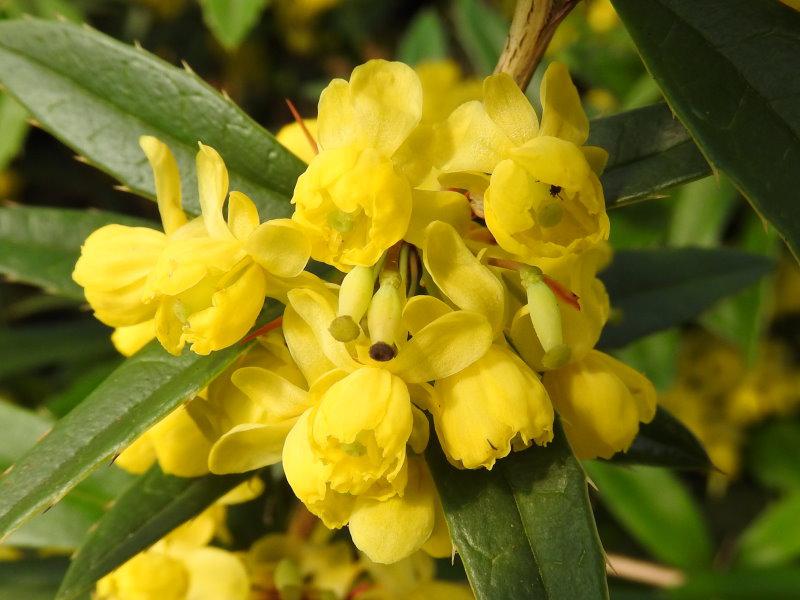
[(532, 28), (641, 571)]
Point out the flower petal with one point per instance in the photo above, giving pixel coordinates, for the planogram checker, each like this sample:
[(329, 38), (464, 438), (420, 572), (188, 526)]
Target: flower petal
[(181, 448), (596, 157), (562, 113), (428, 206), (420, 311), (242, 215), (278, 398), (167, 180), (212, 187), (387, 99), (445, 346), (248, 446), (461, 276), (279, 246), (129, 340), (215, 573), (508, 107), (304, 347), (473, 141), (337, 124)]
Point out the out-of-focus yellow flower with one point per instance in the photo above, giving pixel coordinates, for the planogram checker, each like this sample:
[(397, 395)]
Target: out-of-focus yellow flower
[(412, 578), (795, 4), (601, 16), (543, 200), (601, 100), (201, 282), (601, 402), (491, 405), (444, 89), (297, 21)]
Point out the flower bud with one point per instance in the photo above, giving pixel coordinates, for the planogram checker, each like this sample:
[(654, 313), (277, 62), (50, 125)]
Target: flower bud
[(384, 316), (546, 318)]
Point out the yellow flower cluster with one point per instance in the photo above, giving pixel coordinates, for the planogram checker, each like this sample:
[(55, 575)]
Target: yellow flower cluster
[(499, 217), (303, 562)]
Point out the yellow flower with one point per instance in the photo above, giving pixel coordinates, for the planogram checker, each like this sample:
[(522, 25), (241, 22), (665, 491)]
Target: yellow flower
[(201, 282), (352, 201), (491, 405), (601, 402), (444, 89), (412, 578), (294, 138), (543, 200)]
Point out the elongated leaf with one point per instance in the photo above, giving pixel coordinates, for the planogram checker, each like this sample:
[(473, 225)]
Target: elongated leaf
[(232, 20), (31, 579), (649, 151), (655, 508), (39, 246), (774, 455), (14, 125), (99, 96), (773, 539), (761, 584), (424, 40), (65, 525), (524, 529), (152, 507), (655, 289), (700, 212), (728, 68), (481, 32), (144, 389), (665, 442)]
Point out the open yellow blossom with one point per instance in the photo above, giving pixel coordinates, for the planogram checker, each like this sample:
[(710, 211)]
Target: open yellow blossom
[(201, 282), (412, 578), (601, 402), (543, 199)]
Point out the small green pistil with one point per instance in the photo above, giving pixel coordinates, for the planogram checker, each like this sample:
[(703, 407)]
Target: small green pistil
[(550, 214), (354, 449), (341, 221)]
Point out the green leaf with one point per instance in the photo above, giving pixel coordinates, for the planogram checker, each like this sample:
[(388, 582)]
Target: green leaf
[(656, 356), (700, 212), (657, 510), (773, 539), (525, 529), (762, 584), (774, 455), (14, 125), (425, 39), (656, 289), (99, 96), (39, 246), (83, 384), (152, 507), (231, 20), (28, 347), (65, 525), (481, 31), (31, 579), (649, 151), (665, 442), (728, 68), (143, 390)]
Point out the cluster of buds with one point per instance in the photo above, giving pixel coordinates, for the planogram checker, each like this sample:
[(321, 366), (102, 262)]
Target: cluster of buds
[(468, 248)]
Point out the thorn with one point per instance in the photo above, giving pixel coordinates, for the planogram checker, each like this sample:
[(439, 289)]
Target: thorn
[(122, 188), (8, 470), (62, 18), (137, 44), (225, 95), (81, 159), (33, 122), (44, 435), (299, 120), (187, 68), (48, 508), (114, 458)]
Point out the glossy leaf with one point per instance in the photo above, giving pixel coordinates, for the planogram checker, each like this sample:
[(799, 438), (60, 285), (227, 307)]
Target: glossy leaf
[(649, 151), (424, 40), (728, 68), (656, 289), (525, 529), (143, 390), (757, 584), (773, 539), (232, 20), (481, 32), (31, 578), (700, 212), (657, 510), (774, 455), (149, 509), (14, 125), (665, 442), (99, 96), (39, 246)]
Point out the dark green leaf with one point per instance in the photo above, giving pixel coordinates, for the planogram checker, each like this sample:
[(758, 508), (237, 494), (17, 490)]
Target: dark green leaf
[(653, 290), (39, 246), (152, 507), (481, 32), (774, 455), (657, 510), (424, 40), (728, 68), (232, 20), (33, 346), (766, 584), (665, 442), (700, 212), (31, 579), (143, 390), (524, 529), (649, 151), (99, 96), (773, 539), (14, 125)]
